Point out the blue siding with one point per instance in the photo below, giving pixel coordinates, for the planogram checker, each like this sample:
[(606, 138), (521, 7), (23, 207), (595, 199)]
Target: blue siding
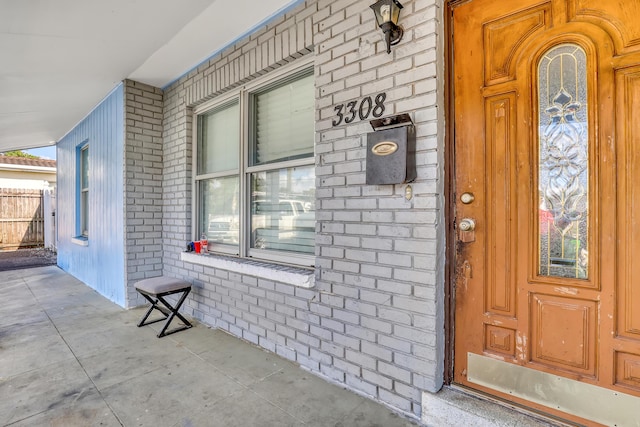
[(100, 264)]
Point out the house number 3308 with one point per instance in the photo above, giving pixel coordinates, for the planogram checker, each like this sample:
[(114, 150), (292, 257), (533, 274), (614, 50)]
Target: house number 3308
[(347, 113)]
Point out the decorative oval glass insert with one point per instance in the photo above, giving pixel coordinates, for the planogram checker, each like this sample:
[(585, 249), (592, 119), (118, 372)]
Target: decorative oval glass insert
[(384, 148), (563, 175)]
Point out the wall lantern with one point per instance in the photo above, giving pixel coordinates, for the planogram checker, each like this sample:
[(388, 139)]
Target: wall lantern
[(387, 14), (391, 151)]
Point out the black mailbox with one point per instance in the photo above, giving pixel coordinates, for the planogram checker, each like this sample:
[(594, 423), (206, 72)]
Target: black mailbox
[(391, 151)]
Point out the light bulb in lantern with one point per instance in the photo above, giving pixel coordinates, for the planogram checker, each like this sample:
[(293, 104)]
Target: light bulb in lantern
[(385, 12)]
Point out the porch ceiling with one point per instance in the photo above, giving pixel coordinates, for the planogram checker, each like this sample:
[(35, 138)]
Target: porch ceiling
[(58, 59)]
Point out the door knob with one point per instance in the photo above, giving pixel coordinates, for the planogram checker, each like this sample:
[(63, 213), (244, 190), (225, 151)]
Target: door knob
[(467, 224)]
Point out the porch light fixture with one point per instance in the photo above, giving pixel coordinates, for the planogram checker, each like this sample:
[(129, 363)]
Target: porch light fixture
[(387, 14)]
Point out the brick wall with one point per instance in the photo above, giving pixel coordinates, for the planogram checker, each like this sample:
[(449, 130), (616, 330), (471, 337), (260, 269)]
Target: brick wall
[(374, 320), (143, 169)]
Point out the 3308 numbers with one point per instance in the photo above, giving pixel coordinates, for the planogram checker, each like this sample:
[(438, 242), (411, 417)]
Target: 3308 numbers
[(347, 112)]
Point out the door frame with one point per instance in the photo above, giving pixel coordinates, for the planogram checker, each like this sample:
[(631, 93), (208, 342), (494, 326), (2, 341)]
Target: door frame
[(620, 402), (449, 192)]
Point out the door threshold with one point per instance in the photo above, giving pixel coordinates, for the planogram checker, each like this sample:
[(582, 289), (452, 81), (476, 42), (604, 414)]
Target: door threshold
[(459, 405)]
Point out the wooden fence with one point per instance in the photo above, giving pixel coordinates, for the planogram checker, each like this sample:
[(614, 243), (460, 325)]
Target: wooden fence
[(21, 218)]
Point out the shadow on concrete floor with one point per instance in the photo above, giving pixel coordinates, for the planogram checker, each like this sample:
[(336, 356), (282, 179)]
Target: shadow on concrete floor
[(26, 258)]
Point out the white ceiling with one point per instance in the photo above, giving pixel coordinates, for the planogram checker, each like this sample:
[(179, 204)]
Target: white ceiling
[(60, 58)]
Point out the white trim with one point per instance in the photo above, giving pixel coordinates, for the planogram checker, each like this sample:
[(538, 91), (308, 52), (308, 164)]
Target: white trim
[(27, 168), (84, 190), (245, 190), (301, 64), (283, 257), (301, 278), (195, 214), (26, 184), (218, 101), (80, 241), (265, 167), (241, 95)]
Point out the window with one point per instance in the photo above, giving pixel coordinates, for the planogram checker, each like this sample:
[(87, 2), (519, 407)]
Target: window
[(563, 172), (255, 175), (83, 191)]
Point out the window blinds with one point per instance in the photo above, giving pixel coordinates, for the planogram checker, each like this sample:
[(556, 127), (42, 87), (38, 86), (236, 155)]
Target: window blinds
[(219, 139), (283, 121)]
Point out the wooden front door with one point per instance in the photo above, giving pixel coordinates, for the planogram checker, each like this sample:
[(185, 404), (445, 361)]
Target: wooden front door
[(547, 203)]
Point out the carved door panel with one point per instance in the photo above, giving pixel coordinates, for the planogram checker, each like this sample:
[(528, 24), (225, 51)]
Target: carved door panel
[(547, 140)]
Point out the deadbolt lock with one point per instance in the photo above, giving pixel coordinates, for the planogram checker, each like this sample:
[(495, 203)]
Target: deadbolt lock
[(467, 198)]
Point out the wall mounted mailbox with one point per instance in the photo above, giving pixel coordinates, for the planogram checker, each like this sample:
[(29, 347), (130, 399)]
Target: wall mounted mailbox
[(391, 151)]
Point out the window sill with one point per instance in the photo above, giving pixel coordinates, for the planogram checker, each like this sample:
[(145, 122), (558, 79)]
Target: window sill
[(278, 273), (80, 240)]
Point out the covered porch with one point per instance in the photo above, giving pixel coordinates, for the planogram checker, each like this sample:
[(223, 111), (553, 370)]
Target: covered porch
[(70, 357)]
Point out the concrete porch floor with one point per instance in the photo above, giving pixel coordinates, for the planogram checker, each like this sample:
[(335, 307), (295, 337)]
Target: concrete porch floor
[(70, 357)]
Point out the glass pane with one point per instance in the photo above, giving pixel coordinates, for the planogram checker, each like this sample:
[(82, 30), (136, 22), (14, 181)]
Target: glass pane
[(563, 178), (220, 210), (84, 213), (283, 121), (84, 167), (219, 139), (283, 211)]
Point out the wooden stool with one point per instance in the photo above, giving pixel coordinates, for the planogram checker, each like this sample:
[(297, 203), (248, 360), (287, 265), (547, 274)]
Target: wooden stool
[(154, 290)]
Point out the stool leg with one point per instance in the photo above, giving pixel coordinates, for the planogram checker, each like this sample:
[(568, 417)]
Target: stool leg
[(154, 305), (174, 312)]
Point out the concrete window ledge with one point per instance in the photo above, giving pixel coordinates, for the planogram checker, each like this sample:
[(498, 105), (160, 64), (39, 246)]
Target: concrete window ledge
[(80, 241), (278, 273)]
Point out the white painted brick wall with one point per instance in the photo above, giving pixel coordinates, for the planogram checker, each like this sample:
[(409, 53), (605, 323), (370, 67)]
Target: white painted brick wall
[(374, 321), (143, 168)]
